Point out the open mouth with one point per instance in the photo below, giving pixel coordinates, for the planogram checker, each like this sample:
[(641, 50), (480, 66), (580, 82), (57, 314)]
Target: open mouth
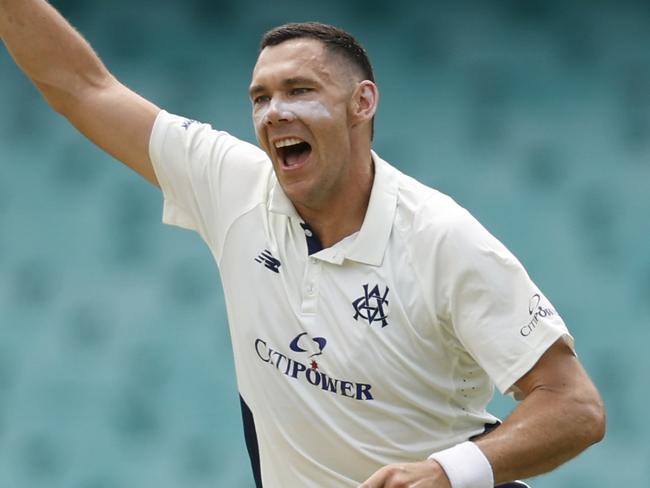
[(293, 152)]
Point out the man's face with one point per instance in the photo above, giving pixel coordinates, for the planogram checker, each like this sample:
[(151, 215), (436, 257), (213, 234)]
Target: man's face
[(301, 96)]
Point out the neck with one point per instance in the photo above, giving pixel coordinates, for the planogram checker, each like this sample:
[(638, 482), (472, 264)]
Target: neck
[(343, 214)]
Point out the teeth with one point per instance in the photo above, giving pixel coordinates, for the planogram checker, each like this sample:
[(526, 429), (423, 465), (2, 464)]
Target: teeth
[(292, 141)]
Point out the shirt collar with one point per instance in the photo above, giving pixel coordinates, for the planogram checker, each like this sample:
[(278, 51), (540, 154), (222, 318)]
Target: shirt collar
[(368, 246), (279, 202)]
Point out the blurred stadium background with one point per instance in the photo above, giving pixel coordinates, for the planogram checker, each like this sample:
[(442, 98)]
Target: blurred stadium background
[(115, 362)]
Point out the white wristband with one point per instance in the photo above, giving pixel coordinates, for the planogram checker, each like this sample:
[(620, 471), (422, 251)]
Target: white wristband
[(466, 466)]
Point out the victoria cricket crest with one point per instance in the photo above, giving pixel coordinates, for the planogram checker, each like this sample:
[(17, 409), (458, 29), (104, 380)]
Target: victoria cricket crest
[(372, 306)]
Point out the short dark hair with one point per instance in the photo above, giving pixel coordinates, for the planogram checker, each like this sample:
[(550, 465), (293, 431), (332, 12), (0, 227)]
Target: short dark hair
[(335, 39)]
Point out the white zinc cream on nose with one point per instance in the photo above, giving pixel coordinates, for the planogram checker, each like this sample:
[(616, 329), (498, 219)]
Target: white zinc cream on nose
[(291, 110)]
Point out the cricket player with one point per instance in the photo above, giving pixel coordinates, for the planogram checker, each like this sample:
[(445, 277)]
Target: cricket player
[(371, 316)]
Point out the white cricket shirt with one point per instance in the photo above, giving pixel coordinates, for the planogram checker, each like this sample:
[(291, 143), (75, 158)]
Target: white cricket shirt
[(380, 349)]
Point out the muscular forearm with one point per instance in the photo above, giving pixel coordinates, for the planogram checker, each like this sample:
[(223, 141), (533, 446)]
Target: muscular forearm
[(56, 58), (561, 415), (549, 427)]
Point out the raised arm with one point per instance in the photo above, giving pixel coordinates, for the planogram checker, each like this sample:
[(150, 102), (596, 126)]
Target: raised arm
[(76, 83)]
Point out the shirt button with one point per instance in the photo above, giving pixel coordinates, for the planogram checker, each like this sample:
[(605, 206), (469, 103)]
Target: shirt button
[(310, 289)]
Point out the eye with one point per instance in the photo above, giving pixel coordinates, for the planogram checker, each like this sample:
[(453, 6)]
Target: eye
[(299, 91), (261, 99)]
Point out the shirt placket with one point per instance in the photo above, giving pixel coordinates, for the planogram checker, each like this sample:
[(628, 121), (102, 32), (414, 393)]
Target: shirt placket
[(310, 286)]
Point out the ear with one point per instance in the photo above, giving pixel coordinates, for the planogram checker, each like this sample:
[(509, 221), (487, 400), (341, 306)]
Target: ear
[(364, 102)]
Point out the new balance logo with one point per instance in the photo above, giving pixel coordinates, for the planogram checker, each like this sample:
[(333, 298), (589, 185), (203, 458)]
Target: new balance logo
[(187, 123), (267, 259)]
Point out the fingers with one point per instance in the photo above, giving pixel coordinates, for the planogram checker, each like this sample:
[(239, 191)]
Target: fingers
[(424, 474), (379, 479)]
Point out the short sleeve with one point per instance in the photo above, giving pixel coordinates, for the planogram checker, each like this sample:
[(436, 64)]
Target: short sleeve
[(207, 177), (498, 314)]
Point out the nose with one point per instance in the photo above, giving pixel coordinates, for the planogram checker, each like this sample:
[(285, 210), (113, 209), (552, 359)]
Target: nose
[(277, 112)]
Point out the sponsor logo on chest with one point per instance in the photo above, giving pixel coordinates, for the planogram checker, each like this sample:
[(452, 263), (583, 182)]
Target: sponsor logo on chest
[(310, 373)]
